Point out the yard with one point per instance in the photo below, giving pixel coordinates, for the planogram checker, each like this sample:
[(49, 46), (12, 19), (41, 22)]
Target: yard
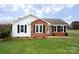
[(53, 45)]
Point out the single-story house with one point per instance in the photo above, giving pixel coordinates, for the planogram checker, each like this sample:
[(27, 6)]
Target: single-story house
[(32, 26)]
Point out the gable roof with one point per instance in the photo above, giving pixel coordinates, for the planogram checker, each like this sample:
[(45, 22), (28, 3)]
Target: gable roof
[(55, 21), (23, 17), (48, 20)]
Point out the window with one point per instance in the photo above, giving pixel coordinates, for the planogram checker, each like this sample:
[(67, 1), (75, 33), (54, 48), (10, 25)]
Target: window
[(58, 28), (54, 29), (21, 28), (39, 28), (61, 28)]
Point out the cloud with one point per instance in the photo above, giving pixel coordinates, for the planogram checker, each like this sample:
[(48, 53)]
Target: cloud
[(48, 9), (40, 10), (39, 13), (31, 9), (20, 5), (6, 20), (57, 8), (7, 7), (45, 9), (70, 5), (68, 19)]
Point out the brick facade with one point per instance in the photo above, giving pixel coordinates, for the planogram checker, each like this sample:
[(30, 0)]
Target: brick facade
[(43, 35), (39, 35), (58, 34)]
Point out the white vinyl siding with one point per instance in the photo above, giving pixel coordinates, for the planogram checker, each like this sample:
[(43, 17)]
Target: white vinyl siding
[(27, 21)]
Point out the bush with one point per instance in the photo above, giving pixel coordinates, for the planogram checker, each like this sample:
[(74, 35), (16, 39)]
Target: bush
[(66, 34), (4, 34)]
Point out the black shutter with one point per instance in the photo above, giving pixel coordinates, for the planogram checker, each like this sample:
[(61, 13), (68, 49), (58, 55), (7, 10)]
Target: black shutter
[(43, 28), (33, 28), (64, 28), (18, 28), (55, 28), (25, 28)]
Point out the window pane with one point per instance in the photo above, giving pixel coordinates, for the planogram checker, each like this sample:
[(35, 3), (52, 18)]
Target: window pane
[(36, 28), (40, 28), (55, 28), (22, 28), (18, 28), (61, 28), (25, 28)]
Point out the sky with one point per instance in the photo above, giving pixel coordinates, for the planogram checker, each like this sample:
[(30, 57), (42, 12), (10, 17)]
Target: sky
[(66, 12)]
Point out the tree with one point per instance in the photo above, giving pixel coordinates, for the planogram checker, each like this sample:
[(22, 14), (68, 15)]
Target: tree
[(75, 25), (5, 30)]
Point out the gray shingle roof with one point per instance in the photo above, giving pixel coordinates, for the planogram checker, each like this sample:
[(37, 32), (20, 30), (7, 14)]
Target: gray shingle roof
[(49, 20), (55, 21)]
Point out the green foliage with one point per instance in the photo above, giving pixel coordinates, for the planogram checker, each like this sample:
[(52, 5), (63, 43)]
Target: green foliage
[(4, 34), (66, 34), (5, 30), (75, 25)]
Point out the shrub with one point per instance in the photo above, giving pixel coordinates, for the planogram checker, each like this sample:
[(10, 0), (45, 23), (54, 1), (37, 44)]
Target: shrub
[(66, 34), (4, 34)]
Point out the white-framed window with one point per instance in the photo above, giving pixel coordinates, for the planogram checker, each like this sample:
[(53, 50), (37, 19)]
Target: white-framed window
[(21, 28), (61, 29), (39, 28)]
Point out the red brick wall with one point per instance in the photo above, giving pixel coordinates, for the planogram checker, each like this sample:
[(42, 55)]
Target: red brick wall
[(39, 35), (58, 34)]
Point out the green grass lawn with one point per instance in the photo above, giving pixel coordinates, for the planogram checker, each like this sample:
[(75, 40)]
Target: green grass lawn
[(54, 45)]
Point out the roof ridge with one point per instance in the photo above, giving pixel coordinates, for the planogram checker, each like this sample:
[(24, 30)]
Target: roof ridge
[(51, 18)]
